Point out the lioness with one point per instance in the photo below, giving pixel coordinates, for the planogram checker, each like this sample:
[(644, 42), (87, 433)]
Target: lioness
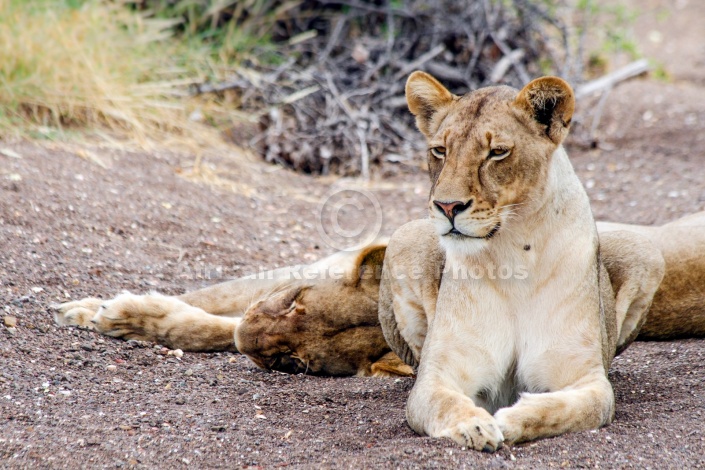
[(507, 357)]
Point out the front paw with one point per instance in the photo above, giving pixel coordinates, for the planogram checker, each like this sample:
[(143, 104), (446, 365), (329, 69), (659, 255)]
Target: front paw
[(478, 432), (76, 313), (510, 424)]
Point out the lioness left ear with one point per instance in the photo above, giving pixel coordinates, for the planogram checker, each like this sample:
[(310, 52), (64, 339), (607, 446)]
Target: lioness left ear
[(551, 102), (368, 265)]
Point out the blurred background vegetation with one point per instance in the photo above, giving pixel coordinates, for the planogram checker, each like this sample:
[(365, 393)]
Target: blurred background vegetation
[(313, 85)]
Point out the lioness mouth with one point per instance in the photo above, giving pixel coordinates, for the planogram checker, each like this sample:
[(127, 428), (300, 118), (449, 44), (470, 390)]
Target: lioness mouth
[(455, 232)]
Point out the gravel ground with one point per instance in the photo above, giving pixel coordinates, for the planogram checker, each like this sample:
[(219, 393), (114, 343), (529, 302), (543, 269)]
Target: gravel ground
[(70, 228)]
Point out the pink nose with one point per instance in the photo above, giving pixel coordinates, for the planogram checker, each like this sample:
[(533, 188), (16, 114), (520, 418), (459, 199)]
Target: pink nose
[(451, 209)]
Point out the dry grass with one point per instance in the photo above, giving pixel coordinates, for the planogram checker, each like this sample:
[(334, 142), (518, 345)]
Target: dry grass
[(96, 66)]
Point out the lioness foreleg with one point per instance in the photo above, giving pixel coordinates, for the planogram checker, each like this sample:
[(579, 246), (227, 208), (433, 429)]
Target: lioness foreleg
[(152, 317), (460, 372), (586, 404), (77, 313), (165, 320)]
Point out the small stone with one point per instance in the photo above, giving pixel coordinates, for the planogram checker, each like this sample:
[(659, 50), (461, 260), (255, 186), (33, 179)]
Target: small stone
[(12, 330), (180, 401), (112, 368), (188, 372), (10, 321), (177, 353), (219, 428), (232, 360)]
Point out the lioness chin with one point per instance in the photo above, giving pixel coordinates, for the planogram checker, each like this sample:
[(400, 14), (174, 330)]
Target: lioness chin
[(507, 357)]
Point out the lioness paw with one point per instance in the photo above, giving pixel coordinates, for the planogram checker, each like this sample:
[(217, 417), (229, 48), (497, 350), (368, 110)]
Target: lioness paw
[(510, 424), (479, 433), (76, 313)]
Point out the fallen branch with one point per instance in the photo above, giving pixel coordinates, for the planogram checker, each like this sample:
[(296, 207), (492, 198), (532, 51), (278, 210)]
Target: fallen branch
[(611, 79)]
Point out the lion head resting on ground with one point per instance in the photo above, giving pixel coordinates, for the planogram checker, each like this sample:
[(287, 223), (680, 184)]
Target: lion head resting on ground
[(326, 323)]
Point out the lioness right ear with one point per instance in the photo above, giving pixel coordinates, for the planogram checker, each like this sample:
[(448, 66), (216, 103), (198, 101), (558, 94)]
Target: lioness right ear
[(426, 97), (550, 101)]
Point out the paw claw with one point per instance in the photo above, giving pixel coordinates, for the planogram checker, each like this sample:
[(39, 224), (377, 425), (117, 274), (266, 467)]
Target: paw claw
[(76, 313), (479, 433)]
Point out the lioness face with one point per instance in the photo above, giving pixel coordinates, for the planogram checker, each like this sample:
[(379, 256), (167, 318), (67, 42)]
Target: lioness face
[(488, 152), (326, 326)]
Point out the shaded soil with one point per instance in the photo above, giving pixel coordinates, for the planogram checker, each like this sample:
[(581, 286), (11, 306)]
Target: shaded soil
[(70, 228)]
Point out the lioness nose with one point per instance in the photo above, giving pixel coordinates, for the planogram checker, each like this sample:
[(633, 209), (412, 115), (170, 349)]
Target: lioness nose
[(451, 209)]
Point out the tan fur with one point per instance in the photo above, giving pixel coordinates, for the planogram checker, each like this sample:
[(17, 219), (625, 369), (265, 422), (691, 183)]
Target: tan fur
[(532, 349)]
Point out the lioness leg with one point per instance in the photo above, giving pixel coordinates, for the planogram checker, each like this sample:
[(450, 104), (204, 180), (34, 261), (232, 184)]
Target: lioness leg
[(636, 269), (153, 317), (409, 288), (202, 320), (165, 320), (677, 309), (585, 404), (390, 365)]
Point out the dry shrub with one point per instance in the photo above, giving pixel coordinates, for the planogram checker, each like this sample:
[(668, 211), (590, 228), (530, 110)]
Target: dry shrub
[(95, 64)]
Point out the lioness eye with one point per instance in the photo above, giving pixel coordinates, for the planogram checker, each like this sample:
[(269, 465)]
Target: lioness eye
[(438, 152), (499, 153), (292, 306)]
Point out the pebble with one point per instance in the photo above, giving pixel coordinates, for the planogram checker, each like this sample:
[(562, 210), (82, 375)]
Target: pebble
[(188, 372), (10, 321), (177, 353), (112, 368), (12, 330)]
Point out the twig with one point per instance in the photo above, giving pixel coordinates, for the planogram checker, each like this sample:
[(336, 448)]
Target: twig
[(502, 66), (598, 113), (364, 155), (333, 39), (634, 69), (411, 66)]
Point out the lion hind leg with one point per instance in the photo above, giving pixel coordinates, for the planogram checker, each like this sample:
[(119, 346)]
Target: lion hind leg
[(636, 269)]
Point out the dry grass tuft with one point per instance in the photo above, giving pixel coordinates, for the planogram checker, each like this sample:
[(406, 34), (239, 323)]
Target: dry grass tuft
[(75, 65)]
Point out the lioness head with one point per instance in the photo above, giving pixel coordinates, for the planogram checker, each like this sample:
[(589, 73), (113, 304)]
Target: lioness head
[(488, 151), (325, 323)]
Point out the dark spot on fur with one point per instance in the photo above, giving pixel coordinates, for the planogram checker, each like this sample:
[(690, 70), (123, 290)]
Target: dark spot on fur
[(527, 247)]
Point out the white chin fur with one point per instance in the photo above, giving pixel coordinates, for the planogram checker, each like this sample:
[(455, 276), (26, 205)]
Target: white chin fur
[(456, 245), (460, 247)]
